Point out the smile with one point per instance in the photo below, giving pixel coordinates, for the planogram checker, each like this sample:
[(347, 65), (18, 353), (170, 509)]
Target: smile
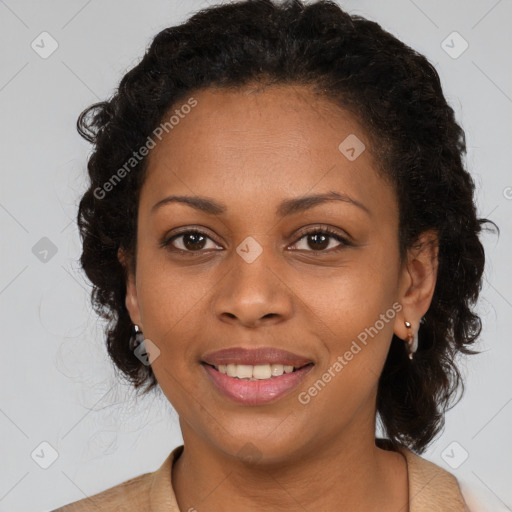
[(255, 384), (256, 372)]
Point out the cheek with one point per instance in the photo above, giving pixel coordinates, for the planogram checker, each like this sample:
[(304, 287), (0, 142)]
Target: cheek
[(356, 331), (354, 295), (168, 293), (355, 310), (170, 302)]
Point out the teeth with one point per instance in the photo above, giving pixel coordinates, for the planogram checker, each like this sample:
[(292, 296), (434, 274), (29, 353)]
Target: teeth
[(256, 372)]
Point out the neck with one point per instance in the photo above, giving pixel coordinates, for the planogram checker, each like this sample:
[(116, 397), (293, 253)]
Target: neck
[(347, 473)]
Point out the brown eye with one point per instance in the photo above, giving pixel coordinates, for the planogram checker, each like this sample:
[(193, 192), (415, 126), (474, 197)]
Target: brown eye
[(316, 240), (189, 241), (320, 239), (193, 241)]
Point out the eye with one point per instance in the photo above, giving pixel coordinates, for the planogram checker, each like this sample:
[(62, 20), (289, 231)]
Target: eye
[(192, 240), (318, 239)]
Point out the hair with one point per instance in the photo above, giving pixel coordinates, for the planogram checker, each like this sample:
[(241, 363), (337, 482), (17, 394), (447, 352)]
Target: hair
[(396, 95)]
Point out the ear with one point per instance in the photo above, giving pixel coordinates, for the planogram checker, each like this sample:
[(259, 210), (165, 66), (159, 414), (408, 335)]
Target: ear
[(417, 282), (131, 301)]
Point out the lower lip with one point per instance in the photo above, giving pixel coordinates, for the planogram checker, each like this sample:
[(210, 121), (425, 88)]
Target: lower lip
[(255, 392)]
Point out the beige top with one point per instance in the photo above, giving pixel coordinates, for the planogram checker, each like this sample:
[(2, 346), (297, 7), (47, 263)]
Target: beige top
[(431, 489)]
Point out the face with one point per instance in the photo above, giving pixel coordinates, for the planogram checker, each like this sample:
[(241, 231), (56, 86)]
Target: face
[(262, 273)]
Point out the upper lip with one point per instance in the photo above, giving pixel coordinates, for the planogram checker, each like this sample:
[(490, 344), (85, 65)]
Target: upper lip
[(254, 356)]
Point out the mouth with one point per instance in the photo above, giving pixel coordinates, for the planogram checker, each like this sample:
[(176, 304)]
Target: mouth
[(256, 372), (255, 384)]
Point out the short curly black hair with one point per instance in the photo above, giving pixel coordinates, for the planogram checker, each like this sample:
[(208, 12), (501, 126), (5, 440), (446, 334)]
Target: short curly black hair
[(396, 95)]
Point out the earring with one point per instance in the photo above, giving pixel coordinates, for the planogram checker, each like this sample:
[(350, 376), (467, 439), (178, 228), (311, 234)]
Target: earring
[(412, 340), (136, 338)]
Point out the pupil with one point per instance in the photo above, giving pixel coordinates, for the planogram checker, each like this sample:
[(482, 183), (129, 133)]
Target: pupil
[(322, 244), (194, 237)]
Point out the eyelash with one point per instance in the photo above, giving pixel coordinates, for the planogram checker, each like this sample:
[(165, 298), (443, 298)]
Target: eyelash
[(167, 242)]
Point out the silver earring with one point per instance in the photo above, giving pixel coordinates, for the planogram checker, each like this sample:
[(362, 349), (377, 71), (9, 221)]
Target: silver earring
[(412, 340), (136, 338)]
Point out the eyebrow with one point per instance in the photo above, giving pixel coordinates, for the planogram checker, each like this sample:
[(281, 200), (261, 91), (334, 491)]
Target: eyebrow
[(286, 208)]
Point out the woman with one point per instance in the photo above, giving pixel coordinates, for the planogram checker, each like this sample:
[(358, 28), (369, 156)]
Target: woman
[(281, 230)]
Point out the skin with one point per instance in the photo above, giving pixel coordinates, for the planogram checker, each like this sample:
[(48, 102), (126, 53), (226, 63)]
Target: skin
[(252, 149)]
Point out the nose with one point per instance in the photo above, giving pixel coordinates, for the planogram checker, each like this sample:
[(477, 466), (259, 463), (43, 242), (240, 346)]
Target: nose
[(252, 294)]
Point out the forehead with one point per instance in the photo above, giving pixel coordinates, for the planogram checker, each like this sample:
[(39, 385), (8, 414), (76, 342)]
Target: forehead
[(250, 145)]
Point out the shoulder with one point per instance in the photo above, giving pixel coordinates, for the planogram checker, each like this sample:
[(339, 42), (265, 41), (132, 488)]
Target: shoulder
[(422, 471), (431, 483), (149, 492), (133, 492), (431, 488)]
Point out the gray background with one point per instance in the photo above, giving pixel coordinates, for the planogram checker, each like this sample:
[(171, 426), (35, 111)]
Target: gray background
[(57, 384)]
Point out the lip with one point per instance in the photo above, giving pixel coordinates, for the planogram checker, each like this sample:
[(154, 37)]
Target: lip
[(256, 392), (254, 356)]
